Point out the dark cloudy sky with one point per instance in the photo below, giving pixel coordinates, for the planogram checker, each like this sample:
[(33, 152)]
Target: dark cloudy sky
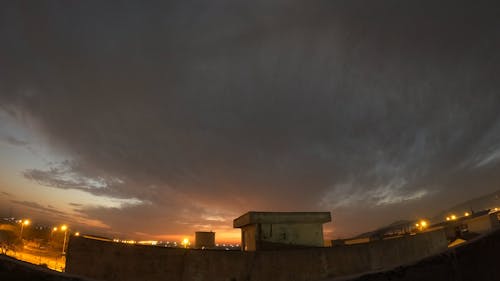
[(156, 119)]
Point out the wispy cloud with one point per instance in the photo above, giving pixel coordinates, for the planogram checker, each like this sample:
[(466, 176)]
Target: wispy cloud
[(14, 141), (350, 194), (488, 159), (3, 193), (39, 207)]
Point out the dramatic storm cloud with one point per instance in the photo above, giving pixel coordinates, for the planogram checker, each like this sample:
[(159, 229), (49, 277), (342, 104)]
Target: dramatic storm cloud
[(186, 114)]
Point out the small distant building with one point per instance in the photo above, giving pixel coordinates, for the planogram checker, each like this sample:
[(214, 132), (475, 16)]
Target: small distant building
[(275, 230), (483, 224), (474, 224), (204, 240)]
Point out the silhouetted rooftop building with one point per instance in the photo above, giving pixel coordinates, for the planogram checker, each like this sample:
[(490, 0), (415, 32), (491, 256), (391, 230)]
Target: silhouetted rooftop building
[(274, 230), (204, 240)]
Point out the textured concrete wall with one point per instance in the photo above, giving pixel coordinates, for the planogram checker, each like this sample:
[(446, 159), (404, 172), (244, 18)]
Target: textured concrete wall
[(268, 236), (248, 237), (203, 239), (476, 260), (310, 234), (481, 224), (116, 261), (271, 230), (382, 254)]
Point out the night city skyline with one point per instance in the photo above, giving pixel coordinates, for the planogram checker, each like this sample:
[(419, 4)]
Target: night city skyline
[(155, 120)]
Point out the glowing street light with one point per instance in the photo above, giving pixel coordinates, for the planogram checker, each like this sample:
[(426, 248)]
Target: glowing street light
[(65, 229), (23, 223), (185, 242), (467, 214), (453, 217), (421, 225)]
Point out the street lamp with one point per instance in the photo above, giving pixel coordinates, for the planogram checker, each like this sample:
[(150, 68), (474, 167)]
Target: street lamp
[(23, 223), (421, 225), (185, 242), (65, 229)]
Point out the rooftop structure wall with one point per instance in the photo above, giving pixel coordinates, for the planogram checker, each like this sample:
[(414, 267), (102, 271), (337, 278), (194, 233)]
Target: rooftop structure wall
[(278, 230), (204, 239), (480, 224)]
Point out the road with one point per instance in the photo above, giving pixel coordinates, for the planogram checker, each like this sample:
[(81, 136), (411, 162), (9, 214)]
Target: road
[(54, 263)]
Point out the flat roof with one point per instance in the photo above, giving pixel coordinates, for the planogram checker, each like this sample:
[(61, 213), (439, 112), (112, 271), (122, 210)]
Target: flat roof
[(253, 217)]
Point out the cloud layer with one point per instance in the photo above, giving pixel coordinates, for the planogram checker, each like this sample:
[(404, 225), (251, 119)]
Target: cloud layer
[(200, 110)]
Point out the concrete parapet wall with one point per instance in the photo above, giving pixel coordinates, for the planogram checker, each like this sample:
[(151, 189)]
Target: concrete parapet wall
[(116, 261), (476, 260), (387, 253)]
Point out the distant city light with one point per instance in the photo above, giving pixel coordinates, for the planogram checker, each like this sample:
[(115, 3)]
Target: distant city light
[(54, 229), (148, 242), (77, 233), (64, 227), (447, 218), (453, 217), (467, 214)]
